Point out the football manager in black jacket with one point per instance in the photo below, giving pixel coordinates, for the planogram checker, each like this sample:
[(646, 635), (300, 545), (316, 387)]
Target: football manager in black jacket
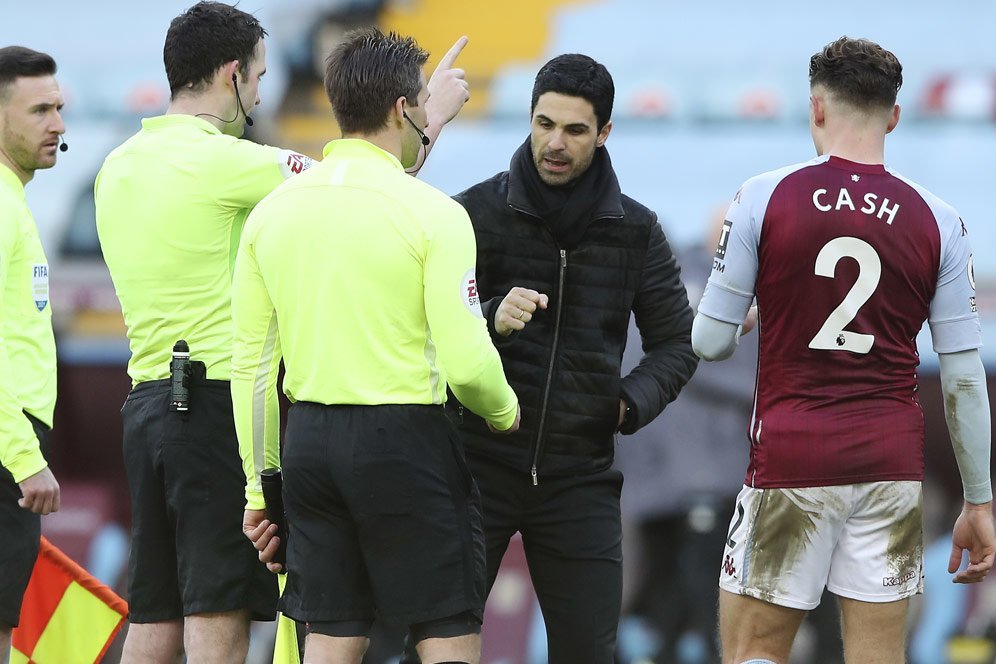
[(563, 257)]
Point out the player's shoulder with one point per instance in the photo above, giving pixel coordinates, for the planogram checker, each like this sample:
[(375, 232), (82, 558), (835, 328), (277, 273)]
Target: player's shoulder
[(129, 145), (11, 207), (282, 195), (943, 212), (291, 194), (432, 200), (761, 186), (12, 203)]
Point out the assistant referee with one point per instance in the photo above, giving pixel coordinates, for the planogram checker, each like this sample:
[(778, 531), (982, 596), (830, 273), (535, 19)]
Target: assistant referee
[(362, 279), (30, 126), (171, 202)]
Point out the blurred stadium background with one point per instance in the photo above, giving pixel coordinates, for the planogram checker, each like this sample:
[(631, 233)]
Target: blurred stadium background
[(707, 94)]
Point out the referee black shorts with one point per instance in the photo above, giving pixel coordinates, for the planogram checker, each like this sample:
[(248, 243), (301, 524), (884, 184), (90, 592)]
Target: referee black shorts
[(384, 516), (20, 530), (188, 552)]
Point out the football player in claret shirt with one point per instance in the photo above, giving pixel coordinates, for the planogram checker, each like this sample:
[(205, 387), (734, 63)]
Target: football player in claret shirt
[(846, 259)]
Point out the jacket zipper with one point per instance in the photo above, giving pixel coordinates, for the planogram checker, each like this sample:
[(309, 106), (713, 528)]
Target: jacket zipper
[(549, 372), (538, 449)]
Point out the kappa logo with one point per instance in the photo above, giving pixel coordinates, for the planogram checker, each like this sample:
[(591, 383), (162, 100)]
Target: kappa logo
[(728, 568), (892, 581)]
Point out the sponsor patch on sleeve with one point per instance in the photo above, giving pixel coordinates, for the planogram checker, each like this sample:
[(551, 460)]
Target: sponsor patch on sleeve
[(971, 272), (468, 293), (39, 285), (724, 240), (292, 163)]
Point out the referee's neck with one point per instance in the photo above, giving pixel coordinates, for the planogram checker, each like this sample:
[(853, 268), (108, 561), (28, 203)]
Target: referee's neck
[(207, 106), (388, 140)]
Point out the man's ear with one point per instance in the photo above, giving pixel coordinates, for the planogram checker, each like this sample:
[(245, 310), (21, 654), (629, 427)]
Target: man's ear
[(230, 70), (894, 119), (400, 106), (817, 109), (603, 135)]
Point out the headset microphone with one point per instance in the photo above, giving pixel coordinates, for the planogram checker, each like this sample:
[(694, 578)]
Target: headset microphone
[(421, 134), (63, 146), (235, 82)]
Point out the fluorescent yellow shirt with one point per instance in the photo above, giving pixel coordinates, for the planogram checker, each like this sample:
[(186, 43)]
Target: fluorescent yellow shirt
[(362, 278), (27, 345), (171, 202)]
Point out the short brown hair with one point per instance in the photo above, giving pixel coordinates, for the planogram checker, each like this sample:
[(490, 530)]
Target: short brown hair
[(859, 72), (365, 75), (205, 37), (17, 61)]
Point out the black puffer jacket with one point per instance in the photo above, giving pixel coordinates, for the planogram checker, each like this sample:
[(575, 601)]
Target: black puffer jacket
[(564, 366)]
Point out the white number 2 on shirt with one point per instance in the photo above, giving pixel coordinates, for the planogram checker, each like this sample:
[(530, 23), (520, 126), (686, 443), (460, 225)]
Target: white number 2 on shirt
[(833, 336)]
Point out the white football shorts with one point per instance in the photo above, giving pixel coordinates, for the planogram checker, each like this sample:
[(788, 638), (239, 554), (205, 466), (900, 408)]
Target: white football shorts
[(861, 541)]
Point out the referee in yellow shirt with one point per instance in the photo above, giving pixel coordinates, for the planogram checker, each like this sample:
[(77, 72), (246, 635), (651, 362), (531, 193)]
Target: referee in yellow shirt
[(30, 126), (171, 202), (362, 279)]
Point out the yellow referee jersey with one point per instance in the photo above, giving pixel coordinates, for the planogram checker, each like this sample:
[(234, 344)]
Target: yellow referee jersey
[(171, 202), (27, 345), (362, 278)]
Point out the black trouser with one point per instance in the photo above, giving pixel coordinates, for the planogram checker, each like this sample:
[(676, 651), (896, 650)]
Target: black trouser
[(20, 530), (188, 553), (572, 536)]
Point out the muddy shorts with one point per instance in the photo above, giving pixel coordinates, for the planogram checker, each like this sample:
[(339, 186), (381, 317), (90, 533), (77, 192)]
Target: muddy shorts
[(861, 541)]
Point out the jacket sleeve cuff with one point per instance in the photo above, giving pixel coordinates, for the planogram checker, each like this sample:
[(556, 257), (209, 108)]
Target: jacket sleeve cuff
[(632, 420), (254, 500), (27, 464), (490, 309)]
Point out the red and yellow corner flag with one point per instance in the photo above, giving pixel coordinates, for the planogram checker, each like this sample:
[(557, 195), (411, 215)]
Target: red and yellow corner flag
[(67, 617)]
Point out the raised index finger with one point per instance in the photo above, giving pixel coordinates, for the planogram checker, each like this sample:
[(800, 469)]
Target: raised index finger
[(451, 55)]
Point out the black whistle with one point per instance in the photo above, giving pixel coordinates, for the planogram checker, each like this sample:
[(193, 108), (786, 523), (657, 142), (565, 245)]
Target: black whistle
[(179, 378), (273, 482)]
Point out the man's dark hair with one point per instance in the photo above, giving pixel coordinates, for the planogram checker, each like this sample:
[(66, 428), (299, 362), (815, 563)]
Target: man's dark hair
[(365, 75), (205, 37), (17, 61), (858, 72), (577, 75)]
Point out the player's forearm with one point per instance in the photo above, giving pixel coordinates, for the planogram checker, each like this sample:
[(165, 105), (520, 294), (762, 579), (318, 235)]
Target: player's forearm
[(255, 363), (489, 396), (713, 339), (19, 450), (256, 415), (966, 409)]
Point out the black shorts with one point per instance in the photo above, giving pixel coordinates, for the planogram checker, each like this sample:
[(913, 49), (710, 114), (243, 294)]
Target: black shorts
[(384, 516), (20, 530), (188, 552)]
